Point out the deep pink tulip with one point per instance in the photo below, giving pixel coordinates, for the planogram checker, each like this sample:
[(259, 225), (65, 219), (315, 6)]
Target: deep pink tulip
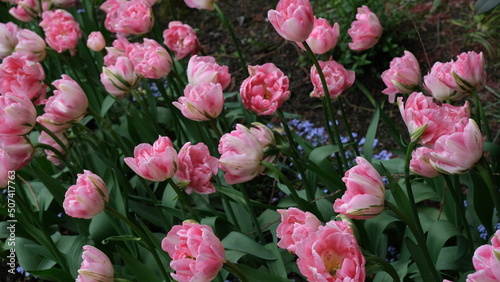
[(241, 154), (118, 50), (338, 79), (486, 261), (18, 115), (440, 83), (295, 226), (158, 162), (201, 102), (469, 72), (95, 266), (197, 254), (365, 194), (19, 149), (200, 4), (69, 103), (323, 37), (420, 163), (118, 79), (403, 76), (331, 254), (365, 31), (6, 165), (95, 41), (88, 197), (31, 45), (128, 17), (181, 38), (8, 40), (265, 90), (22, 77), (196, 169), (52, 156), (62, 31), (150, 59), (292, 19), (204, 69)]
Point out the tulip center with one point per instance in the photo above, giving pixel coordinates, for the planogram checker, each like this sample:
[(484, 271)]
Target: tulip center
[(332, 261)]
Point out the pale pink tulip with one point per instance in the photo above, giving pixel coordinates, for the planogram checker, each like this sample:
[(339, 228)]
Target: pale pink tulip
[(403, 76), (458, 152), (22, 77), (204, 69), (31, 45), (323, 37), (200, 4), (26, 10), (88, 197), (64, 4), (295, 227), (95, 266), (18, 115), (156, 163), (365, 31), (52, 156), (440, 83), (241, 154), (62, 31), (365, 194), (331, 254), (118, 79), (197, 254), (196, 169), (19, 149), (292, 19), (181, 38), (149, 59), (486, 261), (469, 72), (69, 103), (118, 50), (53, 123), (266, 139), (128, 17), (8, 39), (6, 165), (201, 102), (420, 163), (95, 41), (338, 79), (265, 90)]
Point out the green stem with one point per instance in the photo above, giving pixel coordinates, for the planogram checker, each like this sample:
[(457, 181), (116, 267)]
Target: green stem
[(236, 271), (231, 33), (487, 175), (185, 201), (248, 203), (285, 180), (348, 127), (107, 125), (480, 116), (213, 125)]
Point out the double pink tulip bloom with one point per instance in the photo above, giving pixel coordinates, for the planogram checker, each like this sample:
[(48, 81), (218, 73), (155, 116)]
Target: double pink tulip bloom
[(204, 69), (365, 31), (19, 150), (8, 40), (128, 17), (196, 169), (197, 254), (62, 31), (403, 76), (201, 102), (292, 19), (486, 261), (18, 115), (295, 227), (441, 84), (181, 38), (338, 79), (149, 59), (88, 197), (323, 37), (200, 4), (119, 78), (95, 266), (265, 90), (469, 72)]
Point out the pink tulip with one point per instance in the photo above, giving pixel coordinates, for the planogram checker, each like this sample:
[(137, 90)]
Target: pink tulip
[(8, 40), (128, 17), (52, 122), (96, 41), (69, 103), (22, 77), (95, 266), (52, 156), (201, 102), (118, 79), (420, 163), (468, 71), (87, 197), (6, 165), (365, 194), (118, 50), (331, 254), (31, 45), (196, 168), (459, 151), (200, 4), (241, 154), (266, 139), (156, 163), (295, 227), (64, 4), (403, 76), (19, 149), (338, 79), (204, 69), (150, 59), (440, 83), (486, 261), (365, 31), (26, 10), (62, 31), (181, 38), (18, 115), (197, 254), (292, 19), (323, 37), (265, 90)]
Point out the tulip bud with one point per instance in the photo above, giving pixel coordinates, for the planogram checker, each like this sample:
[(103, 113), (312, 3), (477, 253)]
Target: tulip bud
[(88, 197)]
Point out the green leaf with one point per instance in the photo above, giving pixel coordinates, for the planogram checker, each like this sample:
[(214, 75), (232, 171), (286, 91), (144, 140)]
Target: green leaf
[(439, 233), (107, 104), (139, 269), (121, 238), (370, 135), (483, 6), (240, 242), (52, 274), (321, 153), (419, 258), (257, 275), (53, 185), (276, 266), (374, 264)]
